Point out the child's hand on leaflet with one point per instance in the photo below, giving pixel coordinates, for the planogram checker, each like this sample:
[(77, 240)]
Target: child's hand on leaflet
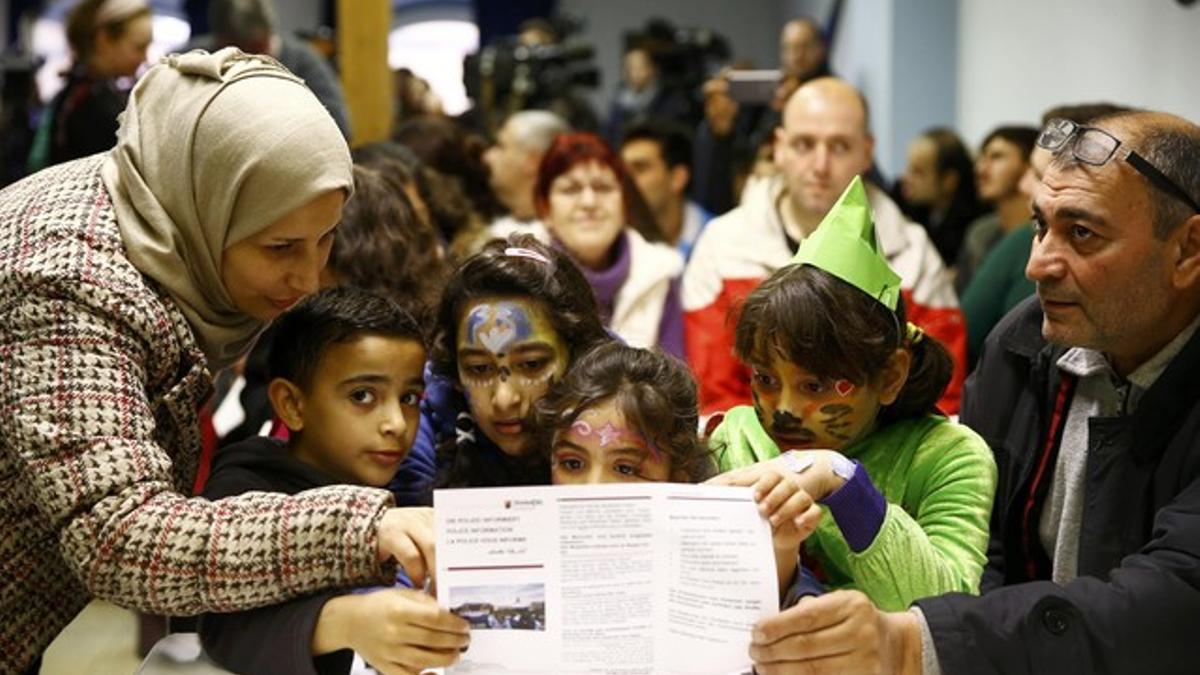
[(781, 498), (396, 630), (785, 504), (406, 536)]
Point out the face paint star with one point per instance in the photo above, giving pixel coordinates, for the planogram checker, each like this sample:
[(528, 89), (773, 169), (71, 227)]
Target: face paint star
[(608, 433)]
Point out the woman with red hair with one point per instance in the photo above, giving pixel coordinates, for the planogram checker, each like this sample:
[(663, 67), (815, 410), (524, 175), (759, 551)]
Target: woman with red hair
[(584, 195)]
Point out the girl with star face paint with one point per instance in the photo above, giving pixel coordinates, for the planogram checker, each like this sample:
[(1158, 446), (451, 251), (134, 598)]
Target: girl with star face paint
[(511, 320), (623, 415), (841, 379)]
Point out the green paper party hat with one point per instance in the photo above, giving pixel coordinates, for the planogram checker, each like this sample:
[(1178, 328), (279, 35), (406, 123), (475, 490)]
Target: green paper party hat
[(844, 245)]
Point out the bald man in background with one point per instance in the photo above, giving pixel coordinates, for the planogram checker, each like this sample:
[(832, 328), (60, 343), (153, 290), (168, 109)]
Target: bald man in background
[(513, 163), (824, 142), (731, 132)]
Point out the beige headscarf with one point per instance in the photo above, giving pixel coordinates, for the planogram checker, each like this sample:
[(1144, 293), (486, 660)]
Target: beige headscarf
[(213, 148)]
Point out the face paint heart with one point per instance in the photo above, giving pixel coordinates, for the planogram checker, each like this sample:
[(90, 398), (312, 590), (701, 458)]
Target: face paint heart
[(498, 326), (498, 337), (843, 388)]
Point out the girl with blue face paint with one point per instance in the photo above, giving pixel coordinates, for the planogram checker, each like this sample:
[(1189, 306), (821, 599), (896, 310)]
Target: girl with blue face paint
[(511, 320), (508, 353)]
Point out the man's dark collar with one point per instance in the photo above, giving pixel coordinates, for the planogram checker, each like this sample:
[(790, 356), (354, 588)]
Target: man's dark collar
[(1021, 330), (1158, 414)]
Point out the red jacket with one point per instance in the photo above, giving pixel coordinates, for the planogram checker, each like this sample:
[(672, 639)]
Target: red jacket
[(741, 248)]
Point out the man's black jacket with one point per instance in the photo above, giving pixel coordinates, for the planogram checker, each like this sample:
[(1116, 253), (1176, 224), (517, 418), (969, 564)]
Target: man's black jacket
[(1135, 607)]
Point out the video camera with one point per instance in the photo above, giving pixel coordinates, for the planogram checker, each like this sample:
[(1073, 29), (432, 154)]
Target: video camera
[(685, 57), (531, 73), (508, 76)]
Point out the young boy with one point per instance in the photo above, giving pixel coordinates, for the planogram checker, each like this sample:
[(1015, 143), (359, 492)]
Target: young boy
[(346, 378)]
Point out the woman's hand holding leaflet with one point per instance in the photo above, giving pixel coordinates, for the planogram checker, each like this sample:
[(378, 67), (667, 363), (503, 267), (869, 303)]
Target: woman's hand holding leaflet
[(406, 536), (396, 630)]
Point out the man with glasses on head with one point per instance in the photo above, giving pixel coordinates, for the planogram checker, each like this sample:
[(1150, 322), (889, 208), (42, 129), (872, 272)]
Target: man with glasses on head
[(1090, 397), (999, 284)]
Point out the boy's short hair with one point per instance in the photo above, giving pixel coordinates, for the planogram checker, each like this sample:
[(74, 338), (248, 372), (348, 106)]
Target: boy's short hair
[(331, 316)]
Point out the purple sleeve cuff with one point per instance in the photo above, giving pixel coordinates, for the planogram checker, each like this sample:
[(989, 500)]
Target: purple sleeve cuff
[(670, 326), (858, 508)]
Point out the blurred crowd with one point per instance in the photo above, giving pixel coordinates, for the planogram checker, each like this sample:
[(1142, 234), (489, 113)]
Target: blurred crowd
[(768, 287)]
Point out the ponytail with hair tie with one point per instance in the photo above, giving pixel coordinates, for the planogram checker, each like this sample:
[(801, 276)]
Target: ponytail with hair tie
[(914, 334)]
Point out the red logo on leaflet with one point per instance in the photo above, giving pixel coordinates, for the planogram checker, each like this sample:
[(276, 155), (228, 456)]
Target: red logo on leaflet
[(522, 504)]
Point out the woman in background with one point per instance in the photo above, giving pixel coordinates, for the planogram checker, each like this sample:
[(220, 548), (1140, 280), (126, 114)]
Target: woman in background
[(108, 39), (583, 195)]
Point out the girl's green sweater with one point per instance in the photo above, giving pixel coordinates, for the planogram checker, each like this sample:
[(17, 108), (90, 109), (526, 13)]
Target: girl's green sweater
[(938, 478)]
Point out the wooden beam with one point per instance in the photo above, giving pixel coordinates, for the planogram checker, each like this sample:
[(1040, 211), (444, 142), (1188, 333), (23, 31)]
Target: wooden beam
[(362, 34)]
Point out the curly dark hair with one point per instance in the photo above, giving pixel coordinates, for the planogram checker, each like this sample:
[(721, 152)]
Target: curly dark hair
[(449, 148), (655, 393), (382, 245), (447, 207), (834, 330), (558, 285)]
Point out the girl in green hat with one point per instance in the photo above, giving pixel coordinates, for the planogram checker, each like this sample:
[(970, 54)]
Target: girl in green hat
[(840, 377)]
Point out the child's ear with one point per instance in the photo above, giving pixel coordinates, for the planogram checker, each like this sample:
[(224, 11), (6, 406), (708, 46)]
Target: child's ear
[(894, 375), (288, 402)]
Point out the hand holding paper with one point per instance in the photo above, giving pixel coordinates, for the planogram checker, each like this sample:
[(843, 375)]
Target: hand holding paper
[(406, 535), (395, 630), (783, 500), (811, 469), (840, 632)]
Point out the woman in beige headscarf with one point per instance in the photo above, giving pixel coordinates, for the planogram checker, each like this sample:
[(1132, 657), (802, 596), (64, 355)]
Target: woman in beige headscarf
[(126, 280)]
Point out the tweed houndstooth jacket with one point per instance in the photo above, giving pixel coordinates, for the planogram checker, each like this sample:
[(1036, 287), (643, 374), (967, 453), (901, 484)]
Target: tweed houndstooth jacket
[(100, 382)]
